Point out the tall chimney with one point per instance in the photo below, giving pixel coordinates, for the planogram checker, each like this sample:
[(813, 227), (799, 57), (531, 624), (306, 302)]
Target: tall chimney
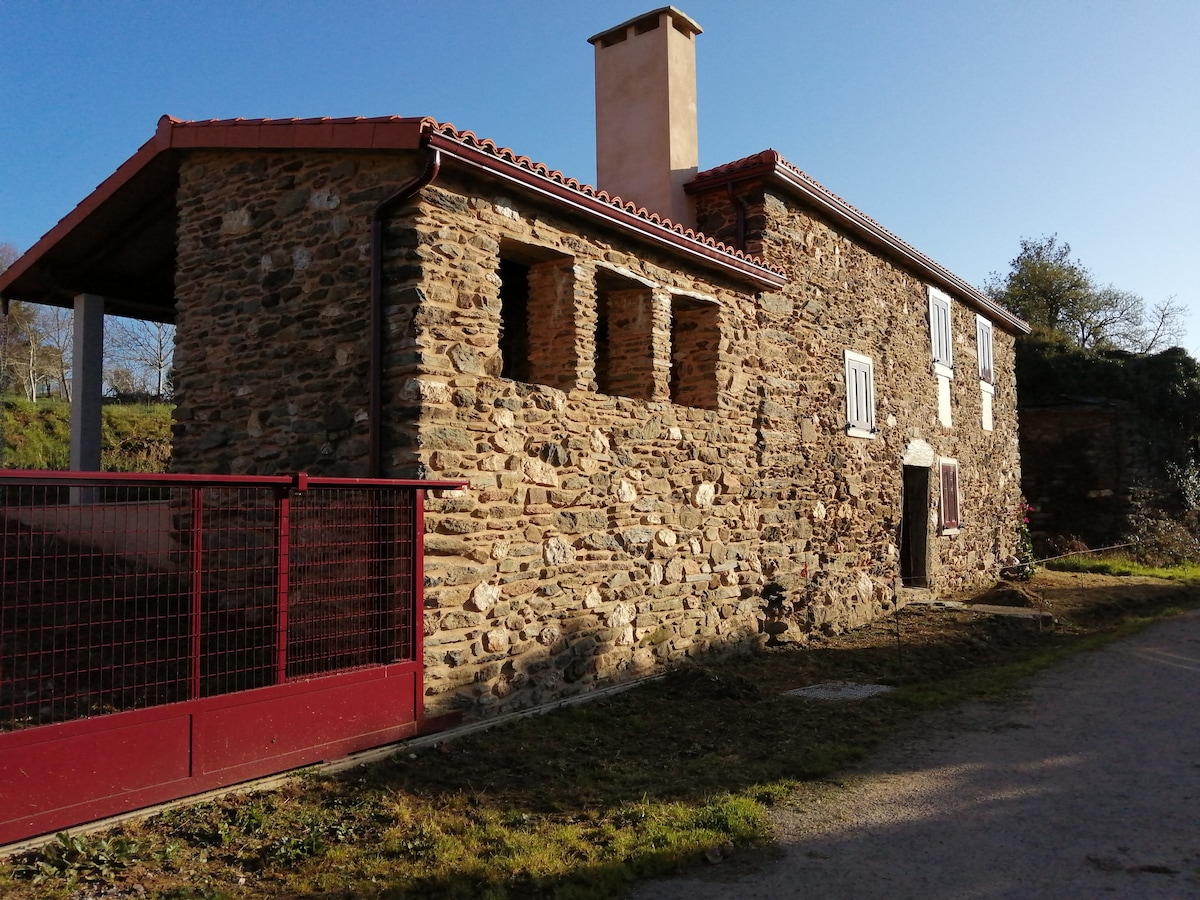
[(646, 143)]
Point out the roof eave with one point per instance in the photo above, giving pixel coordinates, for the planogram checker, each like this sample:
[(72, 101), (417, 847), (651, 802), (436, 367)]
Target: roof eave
[(768, 166), (128, 170), (698, 250)]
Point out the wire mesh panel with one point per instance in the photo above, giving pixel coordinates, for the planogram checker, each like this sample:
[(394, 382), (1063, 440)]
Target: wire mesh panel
[(119, 592), (237, 613), (93, 609), (351, 595)]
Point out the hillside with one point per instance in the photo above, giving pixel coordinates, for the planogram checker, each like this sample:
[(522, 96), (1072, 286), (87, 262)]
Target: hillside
[(134, 437)]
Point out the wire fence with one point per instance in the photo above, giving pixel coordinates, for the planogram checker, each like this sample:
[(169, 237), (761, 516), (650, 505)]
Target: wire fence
[(123, 591)]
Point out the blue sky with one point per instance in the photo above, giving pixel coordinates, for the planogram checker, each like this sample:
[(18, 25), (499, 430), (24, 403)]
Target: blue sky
[(962, 125)]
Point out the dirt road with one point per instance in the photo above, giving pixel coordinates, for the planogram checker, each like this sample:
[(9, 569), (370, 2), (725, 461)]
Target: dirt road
[(1088, 786)]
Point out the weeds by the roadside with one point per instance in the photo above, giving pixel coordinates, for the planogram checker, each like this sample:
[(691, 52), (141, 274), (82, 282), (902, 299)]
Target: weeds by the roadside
[(1119, 565), (581, 802), (74, 858)]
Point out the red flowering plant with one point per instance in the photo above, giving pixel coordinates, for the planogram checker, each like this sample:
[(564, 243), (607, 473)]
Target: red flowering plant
[(1021, 568)]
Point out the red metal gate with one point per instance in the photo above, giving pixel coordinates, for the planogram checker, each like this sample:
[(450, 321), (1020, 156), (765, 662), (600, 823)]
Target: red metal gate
[(162, 635)]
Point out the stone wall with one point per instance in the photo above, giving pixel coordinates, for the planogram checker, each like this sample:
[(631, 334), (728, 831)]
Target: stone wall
[(272, 299), (603, 534), (1081, 463), (839, 520)]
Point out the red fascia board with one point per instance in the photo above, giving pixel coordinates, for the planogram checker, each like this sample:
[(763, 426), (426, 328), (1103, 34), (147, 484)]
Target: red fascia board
[(762, 277), (349, 136), (171, 134), (124, 173), (277, 137)]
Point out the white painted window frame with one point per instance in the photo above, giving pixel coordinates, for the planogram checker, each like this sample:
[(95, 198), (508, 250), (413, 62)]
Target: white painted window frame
[(983, 345), (941, 332), (984, 348), (860, 395)]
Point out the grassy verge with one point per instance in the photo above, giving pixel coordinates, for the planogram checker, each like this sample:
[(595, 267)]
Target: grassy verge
[(1123, 566), (584, 801)]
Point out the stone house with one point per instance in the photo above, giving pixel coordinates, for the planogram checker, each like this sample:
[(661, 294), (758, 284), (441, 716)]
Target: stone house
[(725, 405)]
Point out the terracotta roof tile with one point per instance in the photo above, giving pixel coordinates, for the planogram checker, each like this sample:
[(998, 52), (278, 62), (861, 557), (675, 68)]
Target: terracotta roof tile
[(490, 147)]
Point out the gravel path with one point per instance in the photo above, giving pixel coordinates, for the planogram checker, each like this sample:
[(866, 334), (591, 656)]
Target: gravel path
[(1086, 787)]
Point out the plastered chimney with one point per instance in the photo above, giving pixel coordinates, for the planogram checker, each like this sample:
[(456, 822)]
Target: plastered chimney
[(646, 142)]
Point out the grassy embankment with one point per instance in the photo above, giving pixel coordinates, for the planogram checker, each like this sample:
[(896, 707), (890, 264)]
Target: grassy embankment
[(134, 437)]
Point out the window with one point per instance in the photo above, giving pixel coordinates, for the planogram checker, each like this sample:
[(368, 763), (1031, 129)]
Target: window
[(940, 332), (695, 350), (949, 504), (537, 316), (514, 320), (860, 395), (624, 336), (983, 342)]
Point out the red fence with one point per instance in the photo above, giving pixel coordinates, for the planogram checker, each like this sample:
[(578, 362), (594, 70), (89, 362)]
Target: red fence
[(235, 606)]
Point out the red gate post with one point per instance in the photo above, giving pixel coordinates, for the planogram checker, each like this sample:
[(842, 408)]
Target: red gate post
[(196, 591), (283, 543), (418, 590)]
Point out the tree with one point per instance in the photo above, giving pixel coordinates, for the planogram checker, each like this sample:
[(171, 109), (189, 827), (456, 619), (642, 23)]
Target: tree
[(30, 361), (143, 351), (1058, 296), (58, 338)]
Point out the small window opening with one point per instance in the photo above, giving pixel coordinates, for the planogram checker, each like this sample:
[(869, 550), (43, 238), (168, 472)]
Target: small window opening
[(983, 342), (940, 329), (538, 328), (624, 354), (514, 320), (695, 351), (860, 395), (950, 502)]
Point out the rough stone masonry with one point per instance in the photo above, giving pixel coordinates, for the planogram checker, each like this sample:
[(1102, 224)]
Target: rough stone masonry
[(671, 441)]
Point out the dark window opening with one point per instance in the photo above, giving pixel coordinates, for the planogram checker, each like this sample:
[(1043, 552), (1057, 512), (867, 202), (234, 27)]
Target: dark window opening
[(538, 316), (950, 501), (514, 320), (624, 338), (914, 527), (602, 355)]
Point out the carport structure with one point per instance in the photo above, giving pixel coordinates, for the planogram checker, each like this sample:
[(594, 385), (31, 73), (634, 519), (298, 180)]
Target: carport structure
[(166, 634), (113, 254)]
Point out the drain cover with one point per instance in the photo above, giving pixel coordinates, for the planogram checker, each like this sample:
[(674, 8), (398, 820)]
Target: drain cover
[(838, 690)]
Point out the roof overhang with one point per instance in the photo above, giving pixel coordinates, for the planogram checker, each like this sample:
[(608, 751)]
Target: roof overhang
[(119, 242), (770, 166)]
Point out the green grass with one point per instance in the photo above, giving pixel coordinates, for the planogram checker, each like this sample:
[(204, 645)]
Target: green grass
[(133, 437), (1124, 566)]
